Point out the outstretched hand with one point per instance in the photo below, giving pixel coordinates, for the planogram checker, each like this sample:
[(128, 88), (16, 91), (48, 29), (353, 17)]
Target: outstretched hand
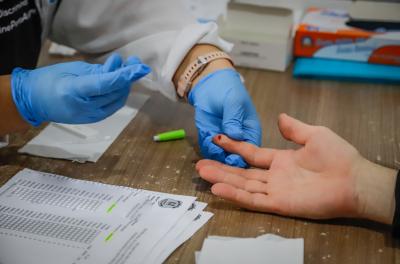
[(321, 179)]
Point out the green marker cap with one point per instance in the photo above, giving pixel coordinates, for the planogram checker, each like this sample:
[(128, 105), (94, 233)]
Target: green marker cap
[(170, 135)]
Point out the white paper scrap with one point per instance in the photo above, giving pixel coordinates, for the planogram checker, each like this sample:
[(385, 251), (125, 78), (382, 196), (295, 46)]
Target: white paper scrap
[(58, 49), (263, 249), (84, 142)]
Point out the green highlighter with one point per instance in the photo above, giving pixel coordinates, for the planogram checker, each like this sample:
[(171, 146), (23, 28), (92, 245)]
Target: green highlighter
[(170, 135)]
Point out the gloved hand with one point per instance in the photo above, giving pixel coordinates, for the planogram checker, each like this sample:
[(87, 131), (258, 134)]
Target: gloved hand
[(75, 92), (223, 106)]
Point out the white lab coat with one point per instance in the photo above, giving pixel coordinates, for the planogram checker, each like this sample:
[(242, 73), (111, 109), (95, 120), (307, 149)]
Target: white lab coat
[(160, 32)]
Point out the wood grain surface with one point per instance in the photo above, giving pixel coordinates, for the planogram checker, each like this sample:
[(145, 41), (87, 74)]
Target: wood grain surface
[(367, 115)]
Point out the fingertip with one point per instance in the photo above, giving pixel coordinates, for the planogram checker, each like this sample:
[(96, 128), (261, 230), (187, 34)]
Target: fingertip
[(226, 143), (200, 164), (282, 115), (223, 190), (210, 173), (139, 68), (294, 130), (143, 70), (217, 139), (283, 125), (216, 189), (137, 71), (146, 68), (281, 118), (286, 120), (206, 162), (222, 140)]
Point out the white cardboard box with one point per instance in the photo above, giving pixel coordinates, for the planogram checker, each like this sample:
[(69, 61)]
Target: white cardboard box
[(261, 34)]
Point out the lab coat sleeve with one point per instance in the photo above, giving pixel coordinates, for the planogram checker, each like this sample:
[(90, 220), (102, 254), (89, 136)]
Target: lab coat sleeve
[(160, 32)]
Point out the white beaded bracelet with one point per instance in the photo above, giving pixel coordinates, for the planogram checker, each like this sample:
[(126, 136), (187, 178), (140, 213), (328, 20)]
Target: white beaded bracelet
[(195, 68)]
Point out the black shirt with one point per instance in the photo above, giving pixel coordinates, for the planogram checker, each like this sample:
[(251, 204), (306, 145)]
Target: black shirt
[(20, 35)]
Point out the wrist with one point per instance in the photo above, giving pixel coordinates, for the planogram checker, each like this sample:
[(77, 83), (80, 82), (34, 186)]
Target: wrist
[(375, 187), (212, 67), (21, 96), (192, 56), (12, 121)]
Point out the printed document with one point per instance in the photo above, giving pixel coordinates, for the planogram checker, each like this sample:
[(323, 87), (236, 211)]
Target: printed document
[(47, 218)]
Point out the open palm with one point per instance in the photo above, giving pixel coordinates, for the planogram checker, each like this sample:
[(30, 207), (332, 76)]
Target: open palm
[(315, 181)]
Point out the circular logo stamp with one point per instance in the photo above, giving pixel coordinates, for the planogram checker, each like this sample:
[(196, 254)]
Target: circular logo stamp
[(169, 203)]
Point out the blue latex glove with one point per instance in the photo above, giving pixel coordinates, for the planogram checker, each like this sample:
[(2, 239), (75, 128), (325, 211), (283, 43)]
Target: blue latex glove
[(75, 92), (222, 105)]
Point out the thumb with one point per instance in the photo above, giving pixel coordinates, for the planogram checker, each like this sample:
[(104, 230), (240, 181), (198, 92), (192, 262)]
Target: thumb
[(232, 121), (104, 83), (113, 63), (294, 130), (236, 161)]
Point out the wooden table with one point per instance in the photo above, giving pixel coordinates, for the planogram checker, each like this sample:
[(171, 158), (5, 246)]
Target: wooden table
[(366, 115)]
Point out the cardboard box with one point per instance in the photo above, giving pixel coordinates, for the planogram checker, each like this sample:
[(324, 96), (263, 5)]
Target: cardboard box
[(325, 33), (261, 34)]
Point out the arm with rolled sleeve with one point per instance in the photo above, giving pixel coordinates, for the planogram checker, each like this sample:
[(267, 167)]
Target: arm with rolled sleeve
[(74, 92), (166, 38)]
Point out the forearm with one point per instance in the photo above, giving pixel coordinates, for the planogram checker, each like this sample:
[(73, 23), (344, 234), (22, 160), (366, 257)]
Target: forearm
[(196, 51), (10, 119), (375, 185)]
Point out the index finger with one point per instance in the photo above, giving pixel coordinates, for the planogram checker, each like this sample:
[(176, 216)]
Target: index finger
[(255, 156), (105, 83)]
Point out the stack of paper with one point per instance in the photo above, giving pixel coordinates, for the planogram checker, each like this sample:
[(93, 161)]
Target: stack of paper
[(263, 249), (47, 218), (84, 142)]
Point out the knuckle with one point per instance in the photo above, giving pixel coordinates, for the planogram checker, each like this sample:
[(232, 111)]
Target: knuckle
[(323, 130)]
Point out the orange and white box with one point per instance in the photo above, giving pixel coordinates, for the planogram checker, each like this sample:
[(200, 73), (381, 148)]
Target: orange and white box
[(323, 33)]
